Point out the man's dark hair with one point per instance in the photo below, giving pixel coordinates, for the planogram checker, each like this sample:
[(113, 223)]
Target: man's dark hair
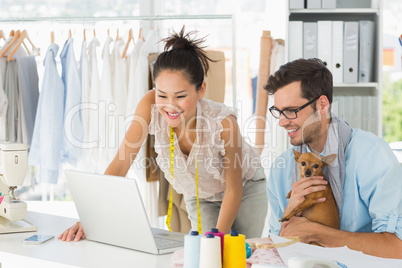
[(315, 78)]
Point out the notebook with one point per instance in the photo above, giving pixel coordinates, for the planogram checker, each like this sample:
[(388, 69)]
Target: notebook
[(111, 212)]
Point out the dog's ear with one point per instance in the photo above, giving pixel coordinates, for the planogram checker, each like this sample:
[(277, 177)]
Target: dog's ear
[(328, 159), (297, 155)]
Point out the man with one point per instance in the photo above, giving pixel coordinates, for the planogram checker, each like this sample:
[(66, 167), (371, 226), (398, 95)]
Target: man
[(366, 178)]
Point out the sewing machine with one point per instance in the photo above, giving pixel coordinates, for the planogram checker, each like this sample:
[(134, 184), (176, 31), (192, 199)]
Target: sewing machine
[(13, 168)]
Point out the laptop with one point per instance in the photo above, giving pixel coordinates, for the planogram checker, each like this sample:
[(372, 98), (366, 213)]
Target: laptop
[(111, 212)]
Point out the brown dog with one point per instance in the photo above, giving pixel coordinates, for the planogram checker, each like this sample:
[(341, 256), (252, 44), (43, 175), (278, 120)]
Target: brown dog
[(326, 212)]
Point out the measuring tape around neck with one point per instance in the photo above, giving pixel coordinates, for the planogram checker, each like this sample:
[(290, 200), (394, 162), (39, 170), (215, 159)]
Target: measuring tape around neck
[(171, 153)]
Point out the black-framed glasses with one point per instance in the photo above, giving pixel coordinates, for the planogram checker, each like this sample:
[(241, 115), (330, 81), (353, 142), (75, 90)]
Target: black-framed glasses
[(290, 113)]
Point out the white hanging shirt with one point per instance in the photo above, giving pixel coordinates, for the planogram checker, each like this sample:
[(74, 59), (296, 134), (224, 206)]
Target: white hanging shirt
[(119, 86), (134, 95), (85, 83), (94, 95), (107, 126)]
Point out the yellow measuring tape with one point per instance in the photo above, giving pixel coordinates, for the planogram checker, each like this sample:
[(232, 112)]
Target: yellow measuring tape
[(169, 214)]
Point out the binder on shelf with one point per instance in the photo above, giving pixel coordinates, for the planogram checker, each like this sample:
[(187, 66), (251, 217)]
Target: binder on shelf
[(310, 40), (313, 4), (337, 51), (351, 52), (366, 53), (296, 4), (295, 40), (328, 3), (324, 42)]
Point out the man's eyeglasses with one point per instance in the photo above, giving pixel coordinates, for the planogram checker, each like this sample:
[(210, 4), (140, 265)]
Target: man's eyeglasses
[(289, 113)]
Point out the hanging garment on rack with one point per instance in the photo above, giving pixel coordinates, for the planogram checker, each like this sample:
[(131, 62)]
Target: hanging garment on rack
[(134, 95), (139, 87), (73, 131), (93, 137), (47, 140), (107, 119), (3, 99), (11, 90), (28, 95), (119, 86), (85, 86), (141, 77), (13, 117)]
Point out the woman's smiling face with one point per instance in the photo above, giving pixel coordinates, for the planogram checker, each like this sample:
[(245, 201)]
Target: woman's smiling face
[(176, 98)]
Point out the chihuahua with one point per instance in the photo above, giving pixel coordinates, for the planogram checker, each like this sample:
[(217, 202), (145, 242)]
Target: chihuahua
[(325, 212)]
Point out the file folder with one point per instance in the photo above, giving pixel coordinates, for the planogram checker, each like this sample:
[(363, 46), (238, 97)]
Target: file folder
[(295, 40), (351, 52), (313, 3), (328, 3), (366, 59), (324, 43), (310, 40), (337, 51), (296, 4)]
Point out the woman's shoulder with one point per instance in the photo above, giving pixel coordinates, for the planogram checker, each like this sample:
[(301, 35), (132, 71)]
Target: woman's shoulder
[(217, 110), (149, 97)]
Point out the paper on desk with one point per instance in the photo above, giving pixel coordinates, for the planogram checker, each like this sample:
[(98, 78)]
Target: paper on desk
[(344, 255)]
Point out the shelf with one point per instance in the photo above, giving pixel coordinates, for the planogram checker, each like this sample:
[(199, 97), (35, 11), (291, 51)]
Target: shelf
[(356, 85), (335, 11), (358, 89)]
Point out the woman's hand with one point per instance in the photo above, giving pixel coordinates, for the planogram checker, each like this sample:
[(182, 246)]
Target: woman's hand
[(74, 231)]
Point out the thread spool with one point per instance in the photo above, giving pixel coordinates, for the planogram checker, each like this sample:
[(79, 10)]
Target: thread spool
[(221, 235), (210, 249), (248, 250), (191, 250), (234, 255)]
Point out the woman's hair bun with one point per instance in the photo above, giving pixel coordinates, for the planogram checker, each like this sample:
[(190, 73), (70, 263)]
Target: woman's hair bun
[(184, 52), (183, 40)]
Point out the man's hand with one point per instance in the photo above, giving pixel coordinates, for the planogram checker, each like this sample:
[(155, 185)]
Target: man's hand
[(303, 187), (298, 226)]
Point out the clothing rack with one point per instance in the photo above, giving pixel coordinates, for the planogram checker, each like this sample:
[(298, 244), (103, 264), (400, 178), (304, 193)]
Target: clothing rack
[(145, 18)]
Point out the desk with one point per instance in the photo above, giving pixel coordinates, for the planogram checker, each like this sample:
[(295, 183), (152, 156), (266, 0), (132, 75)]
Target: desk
[(56, 253)]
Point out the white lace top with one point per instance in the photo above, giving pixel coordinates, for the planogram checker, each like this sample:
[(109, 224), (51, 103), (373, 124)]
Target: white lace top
[(209, 149)]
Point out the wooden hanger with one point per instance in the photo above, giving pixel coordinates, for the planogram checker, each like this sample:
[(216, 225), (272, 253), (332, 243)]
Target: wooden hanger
[(108, 32), (130, 37), (117, 37), (16, 36), (23, 35), (85, 38), (94, 33), (51, 37), (69, 34), (140, 35), (2, 35)]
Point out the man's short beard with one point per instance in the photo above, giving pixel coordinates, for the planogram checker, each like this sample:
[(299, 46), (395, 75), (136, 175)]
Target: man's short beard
[(311, 129)]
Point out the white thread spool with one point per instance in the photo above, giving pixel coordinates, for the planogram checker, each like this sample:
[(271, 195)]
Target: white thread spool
[(210, 252)]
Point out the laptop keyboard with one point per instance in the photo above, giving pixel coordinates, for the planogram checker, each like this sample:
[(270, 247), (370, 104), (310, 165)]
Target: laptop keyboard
[(164, 243)]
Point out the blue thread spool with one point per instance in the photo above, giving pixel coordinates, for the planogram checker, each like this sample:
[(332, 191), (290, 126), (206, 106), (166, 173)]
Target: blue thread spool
[(191, 250), (248, 250)]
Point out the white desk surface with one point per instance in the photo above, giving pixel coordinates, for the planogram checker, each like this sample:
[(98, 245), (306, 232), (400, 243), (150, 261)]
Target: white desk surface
[(56, 253)]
